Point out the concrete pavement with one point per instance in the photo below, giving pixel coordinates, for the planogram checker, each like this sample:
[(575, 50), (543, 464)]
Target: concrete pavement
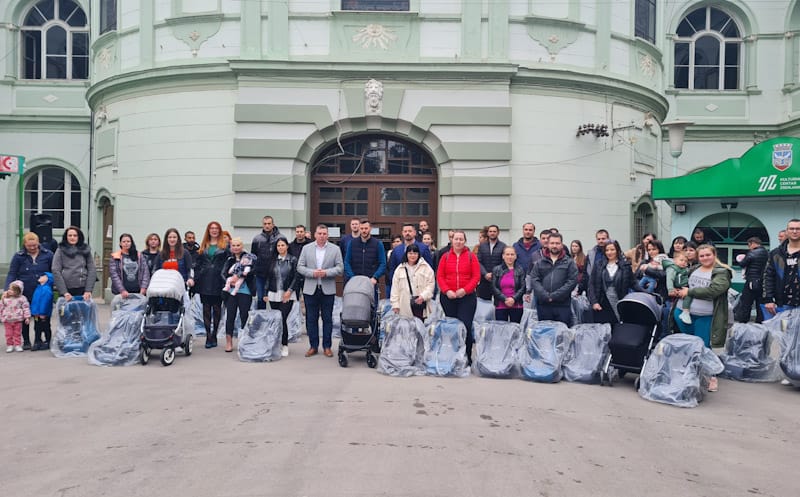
[(210, 425)]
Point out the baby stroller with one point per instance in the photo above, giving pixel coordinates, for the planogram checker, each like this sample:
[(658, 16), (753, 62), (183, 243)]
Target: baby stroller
[(162, 327), (633, 338), (359, 320)]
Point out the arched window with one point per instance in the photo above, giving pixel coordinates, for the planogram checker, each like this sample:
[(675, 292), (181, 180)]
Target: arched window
[(708, 51), (54, 191), (55, 41), (729, 232)]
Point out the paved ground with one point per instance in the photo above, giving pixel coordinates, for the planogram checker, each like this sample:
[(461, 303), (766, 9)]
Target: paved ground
[(212, 426)]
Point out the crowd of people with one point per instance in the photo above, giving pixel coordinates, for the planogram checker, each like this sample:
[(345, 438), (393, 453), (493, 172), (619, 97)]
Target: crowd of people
[(542, 272)]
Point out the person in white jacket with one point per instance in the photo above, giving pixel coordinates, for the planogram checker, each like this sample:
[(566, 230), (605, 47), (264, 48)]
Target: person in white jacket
[(418, 272)]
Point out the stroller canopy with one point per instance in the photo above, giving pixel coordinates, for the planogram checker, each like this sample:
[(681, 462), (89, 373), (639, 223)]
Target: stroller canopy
[(639, 308), (167, 283), (360, 285)]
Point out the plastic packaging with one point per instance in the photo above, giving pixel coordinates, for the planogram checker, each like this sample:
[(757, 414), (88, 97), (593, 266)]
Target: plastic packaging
[(120, 346), (496, 344), (436, 312), (260, 340), (529, 318), (581, 310), (194, 317), (678, 370), (484, 310), (135, 302), (76, 328), (543, 347), (587, 352), (751, 353), (337, 318), (358, 301), (445, 348), (787, 325), (296, 323), (403, 349)]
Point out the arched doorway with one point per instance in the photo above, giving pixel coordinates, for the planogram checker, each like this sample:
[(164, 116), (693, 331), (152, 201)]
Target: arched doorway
[(379, 177), (106, 209), (729, 232)]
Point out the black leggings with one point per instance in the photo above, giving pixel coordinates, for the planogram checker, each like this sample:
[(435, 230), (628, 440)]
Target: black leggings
[(240, 301), (462, 309), (285, 308), (212, 312), (41, 329)]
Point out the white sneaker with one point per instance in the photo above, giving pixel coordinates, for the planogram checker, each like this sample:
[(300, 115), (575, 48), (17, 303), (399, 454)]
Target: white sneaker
[(783, 381), (18, 348), (10, 348), (284, 351), (686, 317)]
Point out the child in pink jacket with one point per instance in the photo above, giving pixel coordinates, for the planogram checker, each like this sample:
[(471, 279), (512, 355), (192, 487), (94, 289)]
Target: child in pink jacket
[(14, 310)]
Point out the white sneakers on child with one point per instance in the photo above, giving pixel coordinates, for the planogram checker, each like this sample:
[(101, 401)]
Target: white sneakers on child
[(19, 348), (685, 316), (10, 348), (284, 351), (783, 381)]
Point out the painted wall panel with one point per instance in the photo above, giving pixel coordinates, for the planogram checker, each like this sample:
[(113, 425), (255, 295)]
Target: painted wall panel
[(471, 133), (274, 131), (309, 6), (580, 53), (440, 39), (308, 37), (621, 20), (518, 7), (225, 43), (550, 9), (129, 51), (163, 9), (524, 48), (129, 14), (413, 100), (169, 48), (231, 6), (439, 7), (620, 58), (197, 6)]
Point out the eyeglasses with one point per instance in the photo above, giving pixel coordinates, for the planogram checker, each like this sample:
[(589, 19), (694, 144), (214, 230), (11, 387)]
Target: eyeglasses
[(792, 229)]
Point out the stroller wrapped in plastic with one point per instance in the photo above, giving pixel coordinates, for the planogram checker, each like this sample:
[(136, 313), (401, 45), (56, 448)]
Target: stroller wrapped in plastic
[(260, 340), (163, 323), (496, 343), (358, 320), (678, 371), (542, 352), (120, 346), (588, 353), (751, 354), (787, 324), (403, 348), (77, 327), (446, 349)]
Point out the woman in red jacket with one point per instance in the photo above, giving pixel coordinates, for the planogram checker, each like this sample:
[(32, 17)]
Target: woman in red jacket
[(458, 275)]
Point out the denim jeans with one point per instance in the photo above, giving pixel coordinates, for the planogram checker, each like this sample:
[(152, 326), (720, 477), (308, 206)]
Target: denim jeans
[(316, 305)]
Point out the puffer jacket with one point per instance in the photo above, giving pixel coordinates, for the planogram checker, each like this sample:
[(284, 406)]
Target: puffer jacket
[(28, 271), (519, 283), (553, 281), (73, 267), (263, 247), (42, 301), (14, 309), (717, 292), (754, 263), (458, 271)]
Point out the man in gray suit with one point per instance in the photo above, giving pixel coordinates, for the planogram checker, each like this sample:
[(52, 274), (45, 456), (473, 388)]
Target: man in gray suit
[(320, 263)]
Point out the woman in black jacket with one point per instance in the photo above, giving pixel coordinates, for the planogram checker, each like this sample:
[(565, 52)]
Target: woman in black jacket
[(611, 280), (243, 297), (508, 287), (283, 281), (209, 262)]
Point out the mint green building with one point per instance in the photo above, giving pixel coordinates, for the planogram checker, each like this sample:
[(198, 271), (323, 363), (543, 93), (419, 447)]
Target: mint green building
[(159, 113)]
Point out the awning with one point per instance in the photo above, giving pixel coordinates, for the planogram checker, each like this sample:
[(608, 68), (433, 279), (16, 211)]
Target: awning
[(766, 170)]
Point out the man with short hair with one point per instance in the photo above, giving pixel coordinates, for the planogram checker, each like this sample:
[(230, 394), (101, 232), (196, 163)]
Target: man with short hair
[(526, 246), (753, 264), (263, 247), (300, 240), (596, 253), (781, 236), (490, 254), (409, 234), (354, 233), (365, 256), (320, 263), (554, 276), (190, 245), (422, 228), (781, 278)]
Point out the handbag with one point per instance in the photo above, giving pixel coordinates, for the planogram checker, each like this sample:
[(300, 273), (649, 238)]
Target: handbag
[(416, 309)]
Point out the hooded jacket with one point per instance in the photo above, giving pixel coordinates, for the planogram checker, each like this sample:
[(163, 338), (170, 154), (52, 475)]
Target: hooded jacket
[(42, 301), (73, 267)]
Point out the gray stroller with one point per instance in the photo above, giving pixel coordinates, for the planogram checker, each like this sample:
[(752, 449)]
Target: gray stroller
[(359, 321)]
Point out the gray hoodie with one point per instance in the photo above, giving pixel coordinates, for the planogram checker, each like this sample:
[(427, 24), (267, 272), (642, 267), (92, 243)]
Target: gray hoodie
[(73, 267)]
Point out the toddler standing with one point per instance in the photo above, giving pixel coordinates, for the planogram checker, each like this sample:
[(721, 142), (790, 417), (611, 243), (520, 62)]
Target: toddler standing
[(41, 310), (14, 310)]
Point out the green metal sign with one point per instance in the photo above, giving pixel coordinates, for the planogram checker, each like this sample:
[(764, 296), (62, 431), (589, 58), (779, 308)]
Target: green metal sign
[(766, 170)]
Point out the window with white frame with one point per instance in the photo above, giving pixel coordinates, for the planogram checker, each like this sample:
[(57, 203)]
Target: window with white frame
[(108, 16), (54, 191), (382, 5), (55, 41), (708, 51), (645, 20)]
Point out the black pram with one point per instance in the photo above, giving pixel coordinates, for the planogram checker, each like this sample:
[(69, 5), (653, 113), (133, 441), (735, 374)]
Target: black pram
[(162, 327), (633, 338), (359, 320)]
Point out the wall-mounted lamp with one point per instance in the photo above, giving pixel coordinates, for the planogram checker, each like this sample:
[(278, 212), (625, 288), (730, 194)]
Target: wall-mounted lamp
[(680, 208), (677, 132), (597, 130), (729, 205)]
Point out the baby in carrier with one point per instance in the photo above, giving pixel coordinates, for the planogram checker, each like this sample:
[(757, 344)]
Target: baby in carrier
[(678, 277), (241, 269)]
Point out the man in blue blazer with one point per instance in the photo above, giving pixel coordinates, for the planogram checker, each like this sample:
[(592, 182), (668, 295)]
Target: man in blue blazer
[(320, 263)]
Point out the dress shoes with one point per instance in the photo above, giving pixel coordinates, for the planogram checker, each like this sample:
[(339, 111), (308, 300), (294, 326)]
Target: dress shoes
[(328, 352), (311, 352)]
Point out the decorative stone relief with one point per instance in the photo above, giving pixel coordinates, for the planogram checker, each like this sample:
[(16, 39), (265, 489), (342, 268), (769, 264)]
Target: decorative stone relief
[(373, 97), (553, 34), (105, 58), (50, 98), (647, 66), (100, 117), (375, 36), (195, 30), (711, 107)]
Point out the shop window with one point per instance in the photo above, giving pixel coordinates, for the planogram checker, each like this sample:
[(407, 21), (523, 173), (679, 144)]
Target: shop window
[(54, 191), (708, 51), (55, 41)]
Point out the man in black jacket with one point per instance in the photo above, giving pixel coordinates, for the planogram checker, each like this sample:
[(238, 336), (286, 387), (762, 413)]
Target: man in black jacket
[(263, 246), (490, 254), (300, 240), (753, 264), (555, 275), (781, 278)]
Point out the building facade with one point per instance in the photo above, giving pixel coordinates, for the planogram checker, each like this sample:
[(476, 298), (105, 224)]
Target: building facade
[(463, 113)]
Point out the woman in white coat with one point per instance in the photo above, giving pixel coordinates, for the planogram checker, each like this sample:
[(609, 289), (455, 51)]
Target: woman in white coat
[(418, 272)]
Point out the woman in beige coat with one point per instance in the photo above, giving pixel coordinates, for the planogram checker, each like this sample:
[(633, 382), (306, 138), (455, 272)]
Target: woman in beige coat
[(422, 279)]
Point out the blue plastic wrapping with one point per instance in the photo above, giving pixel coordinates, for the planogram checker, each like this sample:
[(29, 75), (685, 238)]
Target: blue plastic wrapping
[(260, 340), (542, 351), (445, 348), (76, 327), (587, 352), (581, 309), (484, 310), (751, 353), (436, 312), (120, 346), (496, 344), (678, 371), (403, 350)]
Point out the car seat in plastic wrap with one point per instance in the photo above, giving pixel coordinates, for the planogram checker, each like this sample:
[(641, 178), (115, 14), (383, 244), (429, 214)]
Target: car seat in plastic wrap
[(787, 325), (484, 310), (542, 351), (76, 329), (496, 344), (587, 352), (260, 340), (678, 371), (120, 345), (445, 348), (403, 349), (751, 354)]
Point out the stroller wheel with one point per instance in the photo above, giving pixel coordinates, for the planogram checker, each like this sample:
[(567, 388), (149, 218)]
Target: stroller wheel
[(636, 383), (144, 356), (188, 345), (371, 361), (342, 359), (167, 356)]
